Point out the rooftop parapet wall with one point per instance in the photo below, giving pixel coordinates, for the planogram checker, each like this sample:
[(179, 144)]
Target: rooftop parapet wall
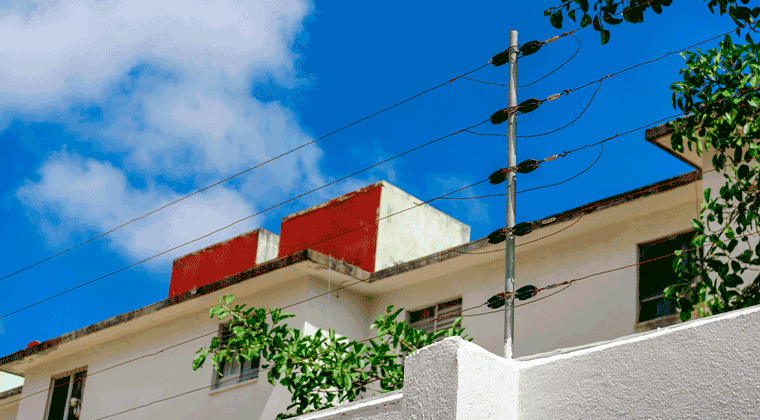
[(347, 228), (221, 260)]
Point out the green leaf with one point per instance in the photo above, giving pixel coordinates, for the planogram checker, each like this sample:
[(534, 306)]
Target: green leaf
[(571, 14), (605, 36), (585, 20), (733, 280), (198, 361), (228, 299), (584, 6), (697, 225), (556, 20)]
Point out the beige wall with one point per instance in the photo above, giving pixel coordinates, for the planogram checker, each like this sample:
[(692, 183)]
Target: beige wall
[(595, 309), (9, 407), (170, 372)]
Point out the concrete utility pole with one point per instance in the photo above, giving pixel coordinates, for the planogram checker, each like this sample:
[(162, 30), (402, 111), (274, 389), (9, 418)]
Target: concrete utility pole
[(509, 274)]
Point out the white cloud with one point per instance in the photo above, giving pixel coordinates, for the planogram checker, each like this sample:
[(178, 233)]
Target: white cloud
[(75, 193), (78, 46), (187, 116)]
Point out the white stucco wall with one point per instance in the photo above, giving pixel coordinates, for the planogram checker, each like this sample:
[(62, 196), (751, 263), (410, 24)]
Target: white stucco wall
[(381, 407), (9, 407), (702, 369), (414, 233), (268, 246), (596, 309), (170, 372)]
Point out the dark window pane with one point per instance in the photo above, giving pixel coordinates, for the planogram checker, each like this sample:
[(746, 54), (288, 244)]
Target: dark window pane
[(657, 274), (416, 316), (76, 392), (58, 400)]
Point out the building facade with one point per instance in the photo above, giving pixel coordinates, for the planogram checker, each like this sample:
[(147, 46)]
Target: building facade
[(385, 248)]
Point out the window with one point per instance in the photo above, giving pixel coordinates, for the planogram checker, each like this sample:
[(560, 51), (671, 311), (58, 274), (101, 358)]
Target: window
[(233, 372), (655, 276), (65, 401), (426, 319)]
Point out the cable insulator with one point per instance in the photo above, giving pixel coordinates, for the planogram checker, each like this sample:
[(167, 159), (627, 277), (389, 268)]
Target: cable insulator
[(525, 107), (528, 105), (526, 292), (527, 166), (501, 58), (499, 176), (530, 47), (524, 167), (500, 116), (498, 236), (496, 301), (522, 229)]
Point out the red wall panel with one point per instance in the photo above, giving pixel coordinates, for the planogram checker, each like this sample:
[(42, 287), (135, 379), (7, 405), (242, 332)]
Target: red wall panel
[(214, 263), (315, 228)]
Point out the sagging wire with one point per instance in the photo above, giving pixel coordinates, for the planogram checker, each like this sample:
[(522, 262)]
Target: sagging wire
[(258, 372), (240, 173), (242, 219), (539, 79), (551, 98), (286, 306), (503, 175)]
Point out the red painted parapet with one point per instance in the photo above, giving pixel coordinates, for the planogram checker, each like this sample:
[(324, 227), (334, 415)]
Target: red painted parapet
[(347, 228), (222, 260), (353, 214)]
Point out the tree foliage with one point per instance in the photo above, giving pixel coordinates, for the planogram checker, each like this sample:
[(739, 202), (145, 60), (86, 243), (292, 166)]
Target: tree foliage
[(720, 92), (319, 370), (610, 12)]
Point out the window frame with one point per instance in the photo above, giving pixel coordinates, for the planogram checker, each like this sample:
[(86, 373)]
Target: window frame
[(663, 320), (71, 374), (436, 310), (221, 383)]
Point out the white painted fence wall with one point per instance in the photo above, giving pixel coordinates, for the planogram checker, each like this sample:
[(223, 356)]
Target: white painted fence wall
[(703, 369)]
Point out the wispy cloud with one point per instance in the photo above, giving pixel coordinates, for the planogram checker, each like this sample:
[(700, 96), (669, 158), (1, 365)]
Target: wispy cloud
[(75, 195)]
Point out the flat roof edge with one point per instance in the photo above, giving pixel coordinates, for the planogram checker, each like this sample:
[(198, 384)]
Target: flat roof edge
[(612, 201), (256, 271), (11, 392)]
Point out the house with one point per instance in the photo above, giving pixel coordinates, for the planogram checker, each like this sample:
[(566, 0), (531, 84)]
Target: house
[(138, 364)]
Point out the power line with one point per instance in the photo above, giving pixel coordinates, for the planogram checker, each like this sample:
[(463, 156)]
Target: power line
[(240, 173), (305, 300), (537, 80), (552, 131), (243, 219)]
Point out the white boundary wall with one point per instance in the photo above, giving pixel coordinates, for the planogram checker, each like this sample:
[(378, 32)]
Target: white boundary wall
[(703, 369)]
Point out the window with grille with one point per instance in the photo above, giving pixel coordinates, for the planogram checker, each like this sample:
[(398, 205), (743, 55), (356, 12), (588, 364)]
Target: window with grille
[(233, 372), (436, 317), (655, 276), (65, 400)]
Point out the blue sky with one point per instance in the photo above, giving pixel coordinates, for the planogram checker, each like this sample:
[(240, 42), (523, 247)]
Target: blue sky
[(113, 108)]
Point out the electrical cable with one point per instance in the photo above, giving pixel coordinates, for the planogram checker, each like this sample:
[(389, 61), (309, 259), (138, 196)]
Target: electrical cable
[(240, 173), (334, 132), (598, 143), (601, 151), (299, 302), (286, 306), (548, 132), (535, 81), (560, 66), (241, 220)]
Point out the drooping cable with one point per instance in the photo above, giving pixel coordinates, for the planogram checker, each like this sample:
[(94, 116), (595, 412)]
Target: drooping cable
[(240, 220), (239, 173)]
